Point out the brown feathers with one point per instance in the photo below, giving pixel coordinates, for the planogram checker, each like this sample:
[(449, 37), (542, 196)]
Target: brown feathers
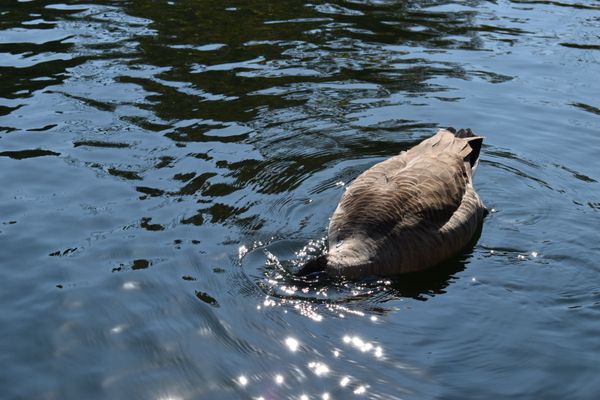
[(409, 212)]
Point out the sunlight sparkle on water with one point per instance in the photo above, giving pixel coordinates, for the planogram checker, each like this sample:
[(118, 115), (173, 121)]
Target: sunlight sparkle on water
[(319, 368), (378, 352), (242, 380), (363, 346), (269, 303), (131, 285), (341, 310), (289, 289), (279, 379), (358, 342), (344, 381), (360, 390), (242, 251), (308, 311), (117, 329), (325, 396), (292, 343)]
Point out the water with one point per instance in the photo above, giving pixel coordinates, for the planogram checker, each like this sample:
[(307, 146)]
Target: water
[(164, 165)]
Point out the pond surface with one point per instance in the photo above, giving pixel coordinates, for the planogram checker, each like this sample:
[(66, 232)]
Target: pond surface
[(164, 165)]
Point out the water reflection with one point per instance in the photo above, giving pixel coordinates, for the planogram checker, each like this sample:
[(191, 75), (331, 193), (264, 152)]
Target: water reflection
[(171, 67), (200, 64), (161, 180)]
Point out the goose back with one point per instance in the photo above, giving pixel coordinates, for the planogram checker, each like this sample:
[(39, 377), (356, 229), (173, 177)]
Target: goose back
[(409, 212)]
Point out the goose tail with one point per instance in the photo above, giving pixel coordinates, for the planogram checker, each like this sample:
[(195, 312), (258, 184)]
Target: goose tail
[(475, 142)]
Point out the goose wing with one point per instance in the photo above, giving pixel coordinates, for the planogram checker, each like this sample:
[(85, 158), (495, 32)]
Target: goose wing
[(420, 189)]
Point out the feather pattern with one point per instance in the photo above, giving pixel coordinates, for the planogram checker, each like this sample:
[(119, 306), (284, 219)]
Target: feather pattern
[(409, 212)]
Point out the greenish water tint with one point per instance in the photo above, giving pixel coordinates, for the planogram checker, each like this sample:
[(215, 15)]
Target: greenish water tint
[(163, 165)]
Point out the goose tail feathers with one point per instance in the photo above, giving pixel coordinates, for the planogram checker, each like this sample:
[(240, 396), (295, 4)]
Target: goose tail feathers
[(474, 141)]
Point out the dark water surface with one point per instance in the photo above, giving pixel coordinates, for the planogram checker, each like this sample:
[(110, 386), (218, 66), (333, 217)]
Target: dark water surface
[(163, 164)]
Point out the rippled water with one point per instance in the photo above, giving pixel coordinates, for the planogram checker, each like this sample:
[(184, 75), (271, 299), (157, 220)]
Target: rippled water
[(164, 164)]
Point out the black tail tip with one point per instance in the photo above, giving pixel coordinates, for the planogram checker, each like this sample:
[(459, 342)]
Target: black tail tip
[(461, 133), (318, 264), (464, 133)]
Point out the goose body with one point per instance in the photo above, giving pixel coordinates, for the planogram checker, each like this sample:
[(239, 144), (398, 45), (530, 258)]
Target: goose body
[(409, 212)]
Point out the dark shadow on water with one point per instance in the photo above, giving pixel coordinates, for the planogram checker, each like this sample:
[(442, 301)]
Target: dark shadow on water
[(425, 284)]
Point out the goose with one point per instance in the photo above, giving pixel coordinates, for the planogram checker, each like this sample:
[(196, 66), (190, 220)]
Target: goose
[(407, 213)]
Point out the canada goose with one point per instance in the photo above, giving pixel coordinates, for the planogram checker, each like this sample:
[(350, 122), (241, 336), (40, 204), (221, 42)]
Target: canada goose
[(407, 213)]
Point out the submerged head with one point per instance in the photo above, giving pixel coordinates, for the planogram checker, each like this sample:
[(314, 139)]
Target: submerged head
[(314, 266)]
